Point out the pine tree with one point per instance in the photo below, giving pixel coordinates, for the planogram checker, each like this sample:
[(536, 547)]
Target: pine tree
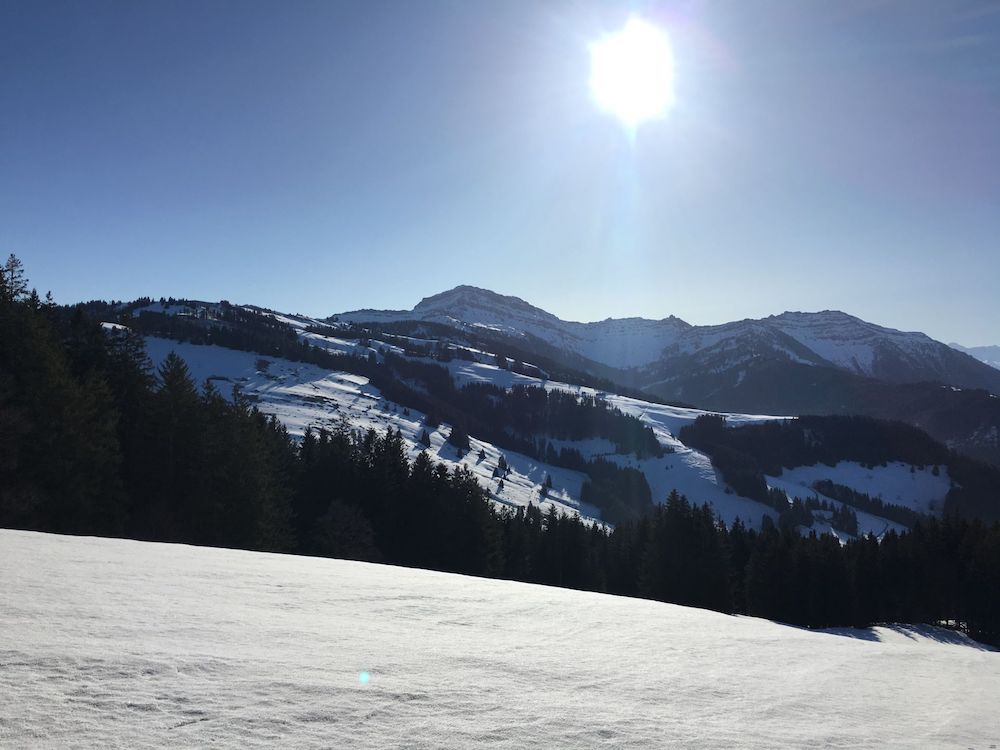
[(60, 451), (459, 438), (174, 508), (13, 285)]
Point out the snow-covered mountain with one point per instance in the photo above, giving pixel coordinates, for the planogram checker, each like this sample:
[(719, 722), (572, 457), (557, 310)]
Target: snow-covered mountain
[(828, 338), (114, 643), (718, 362), (666, 348), (621, 342), (988, 354), (867, 349)]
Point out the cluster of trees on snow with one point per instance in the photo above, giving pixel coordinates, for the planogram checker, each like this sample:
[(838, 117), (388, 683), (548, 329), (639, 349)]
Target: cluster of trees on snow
[(559, 415), (745, 453), (525, 419), (841, 517), (234, 328), (868, 504), (621, 493), (93, 442)]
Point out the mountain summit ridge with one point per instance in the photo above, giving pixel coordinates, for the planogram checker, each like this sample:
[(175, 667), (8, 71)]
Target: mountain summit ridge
[(661, 348), (615, 342)]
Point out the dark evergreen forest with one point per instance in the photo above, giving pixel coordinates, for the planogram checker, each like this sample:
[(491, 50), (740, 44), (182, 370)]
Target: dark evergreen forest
[(92, 441)]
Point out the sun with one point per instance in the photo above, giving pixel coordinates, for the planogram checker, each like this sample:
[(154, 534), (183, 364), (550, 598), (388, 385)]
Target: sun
[(632, 73)]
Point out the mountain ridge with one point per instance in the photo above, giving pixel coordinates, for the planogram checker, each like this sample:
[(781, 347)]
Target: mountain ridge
[(988, 354), (659, 349)]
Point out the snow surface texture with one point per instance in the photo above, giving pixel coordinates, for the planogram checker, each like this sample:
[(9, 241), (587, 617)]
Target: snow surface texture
[(118, 644)]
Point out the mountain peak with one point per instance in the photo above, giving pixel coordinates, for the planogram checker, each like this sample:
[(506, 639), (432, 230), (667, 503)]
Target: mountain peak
[(464, 297), (839, 320), (817, 315), (618, 342)]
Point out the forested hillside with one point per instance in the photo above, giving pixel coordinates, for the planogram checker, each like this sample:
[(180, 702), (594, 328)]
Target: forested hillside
[(746, 454)]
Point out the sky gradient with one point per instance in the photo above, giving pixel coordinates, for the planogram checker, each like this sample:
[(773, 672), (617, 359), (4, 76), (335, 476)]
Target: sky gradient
[(317, 157)]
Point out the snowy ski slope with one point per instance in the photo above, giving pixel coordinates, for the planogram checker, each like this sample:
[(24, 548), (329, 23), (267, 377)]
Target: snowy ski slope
[(119, 644)]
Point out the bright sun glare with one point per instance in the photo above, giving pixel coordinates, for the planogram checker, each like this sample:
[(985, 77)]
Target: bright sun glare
[(632, 73)]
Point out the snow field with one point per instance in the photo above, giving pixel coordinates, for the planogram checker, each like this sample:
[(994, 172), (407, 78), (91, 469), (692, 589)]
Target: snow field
[(119, 644)]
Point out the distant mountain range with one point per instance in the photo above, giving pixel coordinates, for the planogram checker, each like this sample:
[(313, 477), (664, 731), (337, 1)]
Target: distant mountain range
[(794, 363), (662, 350), (988, 354)]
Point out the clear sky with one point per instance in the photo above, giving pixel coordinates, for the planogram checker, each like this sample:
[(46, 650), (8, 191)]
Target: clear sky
[(322, 156)]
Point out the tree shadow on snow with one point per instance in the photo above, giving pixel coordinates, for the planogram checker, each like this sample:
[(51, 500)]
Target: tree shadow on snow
[(939, 635), (860, 634), (913, 632)]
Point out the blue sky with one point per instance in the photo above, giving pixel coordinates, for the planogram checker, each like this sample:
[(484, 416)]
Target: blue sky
[(322, 156)]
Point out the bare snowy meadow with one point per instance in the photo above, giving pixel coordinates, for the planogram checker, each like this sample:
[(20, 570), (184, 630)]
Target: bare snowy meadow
[(107, 643)]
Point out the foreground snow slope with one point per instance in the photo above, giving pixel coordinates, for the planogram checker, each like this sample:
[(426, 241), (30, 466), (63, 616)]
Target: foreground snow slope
[(107, 643)]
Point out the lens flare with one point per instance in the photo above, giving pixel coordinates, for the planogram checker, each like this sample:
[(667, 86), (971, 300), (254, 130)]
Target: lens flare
[(632, 73)]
